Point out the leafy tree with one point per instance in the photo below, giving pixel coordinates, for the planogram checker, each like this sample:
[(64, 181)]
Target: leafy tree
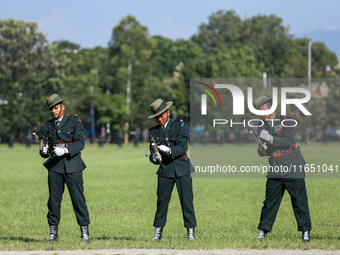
[(332, 103), (320, 58), (224, 29), (131, 62), (88, 84), (168, 54), (267, 36), (29, 71), (271, 42), (240, 62)]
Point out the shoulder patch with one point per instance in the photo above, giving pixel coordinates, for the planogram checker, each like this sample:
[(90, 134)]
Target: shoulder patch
[(79, 120), (76, 115), (181, 121)]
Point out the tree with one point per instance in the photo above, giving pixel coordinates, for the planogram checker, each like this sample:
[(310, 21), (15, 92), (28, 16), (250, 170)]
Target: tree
[(131, 52), (224, 29), (168, 54), (267, 36), (87, 79), (29, 72), (228, 63), (321, 58)]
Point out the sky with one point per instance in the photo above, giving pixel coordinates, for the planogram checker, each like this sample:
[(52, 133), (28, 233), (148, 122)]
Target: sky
[(90, 23)]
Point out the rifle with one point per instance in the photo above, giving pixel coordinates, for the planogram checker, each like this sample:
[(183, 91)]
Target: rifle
[(261, 144), (155, 148), (40, 138)]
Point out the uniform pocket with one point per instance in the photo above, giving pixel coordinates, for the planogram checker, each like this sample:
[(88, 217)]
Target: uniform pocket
[(50, 133), (67, 135)]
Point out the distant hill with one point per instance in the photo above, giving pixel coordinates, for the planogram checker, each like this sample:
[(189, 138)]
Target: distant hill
[(330, 38)]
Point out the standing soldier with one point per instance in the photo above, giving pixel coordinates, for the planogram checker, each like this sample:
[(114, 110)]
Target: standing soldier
[(66, 138), (171, 137), (278, 134)]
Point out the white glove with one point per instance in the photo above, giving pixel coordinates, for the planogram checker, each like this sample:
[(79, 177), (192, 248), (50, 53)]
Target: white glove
[(45, 149), (155, 158), (164, 148), (266, 136), (60, 151), (263, 150)]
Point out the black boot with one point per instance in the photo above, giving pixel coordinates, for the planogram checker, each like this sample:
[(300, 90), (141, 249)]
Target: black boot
[(53, 233), (262, 234), (85, 235), (305, 236), (191, 234), (158, 234)]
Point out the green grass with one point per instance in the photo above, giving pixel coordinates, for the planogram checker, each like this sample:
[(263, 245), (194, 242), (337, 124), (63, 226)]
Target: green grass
[(120, 188)]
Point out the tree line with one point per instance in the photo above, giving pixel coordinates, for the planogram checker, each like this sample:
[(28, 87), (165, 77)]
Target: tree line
[(114, 85)]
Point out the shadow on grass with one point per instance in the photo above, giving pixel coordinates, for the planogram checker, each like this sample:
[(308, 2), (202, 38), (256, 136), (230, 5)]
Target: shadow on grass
[(22, 239), (312, 237), (114, 238)]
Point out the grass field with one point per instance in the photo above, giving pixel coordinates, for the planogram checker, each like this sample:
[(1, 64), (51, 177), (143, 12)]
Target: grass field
[(120, 188)]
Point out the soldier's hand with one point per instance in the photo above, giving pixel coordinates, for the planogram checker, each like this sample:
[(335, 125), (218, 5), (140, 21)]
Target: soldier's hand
[(164, 148), (155, 158), (59, 151), (263, 151), (266, 136), (45, 149)]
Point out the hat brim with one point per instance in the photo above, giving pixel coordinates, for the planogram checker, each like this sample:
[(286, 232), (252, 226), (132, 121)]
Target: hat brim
[(168, 104), (55, 104)]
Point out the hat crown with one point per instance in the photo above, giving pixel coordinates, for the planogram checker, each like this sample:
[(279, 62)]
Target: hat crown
[(53, 100), (260, 101), (158, 107)]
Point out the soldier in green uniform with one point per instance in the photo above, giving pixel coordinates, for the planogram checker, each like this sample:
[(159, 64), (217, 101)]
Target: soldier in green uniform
[(66, 139), (171, 137), (286, 171)]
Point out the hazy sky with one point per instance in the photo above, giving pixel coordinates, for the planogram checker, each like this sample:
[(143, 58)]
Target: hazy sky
[(90, 23)]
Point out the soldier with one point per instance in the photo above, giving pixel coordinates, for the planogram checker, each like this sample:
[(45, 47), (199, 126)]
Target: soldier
[(66, 137), (282, 152), (172, 141)]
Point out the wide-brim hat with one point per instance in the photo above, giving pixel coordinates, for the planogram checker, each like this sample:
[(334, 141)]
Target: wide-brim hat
[(158, 107), (53, 100), (261, 101)]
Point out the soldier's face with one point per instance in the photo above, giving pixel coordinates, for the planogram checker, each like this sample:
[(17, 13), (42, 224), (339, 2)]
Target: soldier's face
[(266, 117), (57, 111), (264, 107), (163, 118)]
